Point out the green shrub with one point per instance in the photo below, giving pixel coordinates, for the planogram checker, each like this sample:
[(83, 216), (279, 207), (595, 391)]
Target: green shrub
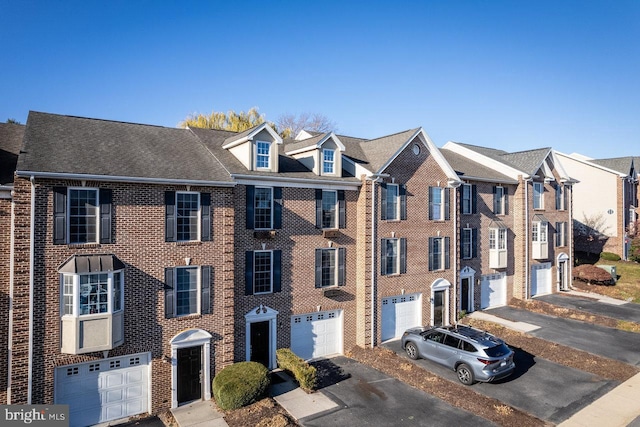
[(240, 384), (304, 373), (634, 253), (608, 256)]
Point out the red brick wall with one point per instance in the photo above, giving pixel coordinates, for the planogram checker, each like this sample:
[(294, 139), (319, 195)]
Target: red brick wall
[(5, 251), (138, 221)]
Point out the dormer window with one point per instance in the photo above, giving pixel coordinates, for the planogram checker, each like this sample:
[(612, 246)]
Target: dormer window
[(263, 151), (328, 161)]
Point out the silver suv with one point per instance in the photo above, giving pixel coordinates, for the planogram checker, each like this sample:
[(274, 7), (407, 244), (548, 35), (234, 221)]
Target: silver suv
[(475, 355)]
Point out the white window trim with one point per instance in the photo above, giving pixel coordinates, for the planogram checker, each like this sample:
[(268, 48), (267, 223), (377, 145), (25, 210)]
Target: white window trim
[(271, 208), (469, 188), (76, 293), (464, 231), (560, 234), (500, 237), (270, 291), (538, 193), (198, 220), (441, 205), (68, 214), (332, 162), (336, 217), (560, 197), (540, 225), (501, 203), (198, 290), (268, 155), (441, 258), (336, 267), (398, 256), (396, 198)]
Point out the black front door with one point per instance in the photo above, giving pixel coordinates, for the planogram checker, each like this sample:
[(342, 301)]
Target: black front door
[(464, 295), (438, 308), (260, 343), (189, 368)]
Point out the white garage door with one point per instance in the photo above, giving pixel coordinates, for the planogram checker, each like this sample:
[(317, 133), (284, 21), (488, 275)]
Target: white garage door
[(104, 390), (316, 334), (541, 279), (400, 313), (493, 291)]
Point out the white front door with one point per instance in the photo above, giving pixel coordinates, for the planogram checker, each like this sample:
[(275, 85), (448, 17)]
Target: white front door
[(317, 334), (400, 313), (104, 390)]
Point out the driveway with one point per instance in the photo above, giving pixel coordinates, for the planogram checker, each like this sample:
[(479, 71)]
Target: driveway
[(542, 388), (607, 342), (627, 311), (368, 397)]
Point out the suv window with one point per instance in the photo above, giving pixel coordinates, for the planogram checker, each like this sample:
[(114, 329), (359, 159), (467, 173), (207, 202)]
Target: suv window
[(497, 351), (451, 341), (467, 346), (435, 336)]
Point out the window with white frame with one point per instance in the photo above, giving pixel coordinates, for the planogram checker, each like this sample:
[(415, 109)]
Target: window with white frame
[(393, 205), (94, 293), (263, 208), (467, 199), (438, 253), (330, 267), (499, 200), (538, 195), (329, 209), (263, 155), (438, 203), (539, 239), (83, 215), (539, 232), (393, 256), (187, 215), (561, 198), (561, 234), (468, 243), (262, 272), (328, 161), (186, 291), (498, 247)]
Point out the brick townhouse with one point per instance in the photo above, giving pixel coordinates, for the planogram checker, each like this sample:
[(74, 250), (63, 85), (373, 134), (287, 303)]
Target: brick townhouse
[(516, 215)]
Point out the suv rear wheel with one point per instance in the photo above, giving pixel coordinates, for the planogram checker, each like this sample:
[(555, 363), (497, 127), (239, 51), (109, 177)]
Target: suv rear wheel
[(465, 374), (412, 350)]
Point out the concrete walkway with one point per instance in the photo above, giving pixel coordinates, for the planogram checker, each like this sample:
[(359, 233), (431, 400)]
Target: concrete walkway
[(618, 408), (198, 414)]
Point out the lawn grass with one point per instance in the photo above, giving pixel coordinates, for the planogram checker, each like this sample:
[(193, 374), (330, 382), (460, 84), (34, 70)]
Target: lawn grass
[(626, 288)]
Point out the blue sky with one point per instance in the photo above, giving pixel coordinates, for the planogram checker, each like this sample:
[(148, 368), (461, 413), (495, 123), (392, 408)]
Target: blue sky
[(512, 75)]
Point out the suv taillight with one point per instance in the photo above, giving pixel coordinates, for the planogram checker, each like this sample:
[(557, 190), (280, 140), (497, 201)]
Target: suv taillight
[(484, 361)]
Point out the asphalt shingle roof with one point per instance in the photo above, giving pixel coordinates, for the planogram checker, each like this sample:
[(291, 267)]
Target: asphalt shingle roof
[(468, 168), (379, 151), (618, 164), (76, 145), (11, 136), (526, 161)]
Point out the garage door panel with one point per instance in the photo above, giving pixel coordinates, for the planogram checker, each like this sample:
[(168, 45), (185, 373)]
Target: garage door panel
[(316, 334), (493, 290), (541, 279), (400, 313)]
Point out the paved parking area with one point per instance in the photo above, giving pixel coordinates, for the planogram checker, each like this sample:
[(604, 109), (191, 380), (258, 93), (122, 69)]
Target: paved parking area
[(628, 311), (612, 343), (542, 388), (369, 397)]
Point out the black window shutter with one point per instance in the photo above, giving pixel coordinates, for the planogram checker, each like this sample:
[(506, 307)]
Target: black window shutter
[(495, 200), (430, 253), (383, 257), (105, 215), (403, 255), (506, 200), (431, 202), (250, 206), (168, 292), (565, 235), (474, 197), (277, 207), (318, 268), (318, 208), (342, 210), (59, 215), (474, 243), (205, 216), (206, 289), (403, 202), (277, 271), (342, 261), (447, 257), (170, 216), (383, 201), (248, 273), (447, 201)]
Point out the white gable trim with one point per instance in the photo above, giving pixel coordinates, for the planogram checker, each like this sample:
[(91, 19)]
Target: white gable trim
[(249, 137), (580, 158), (319, 144)]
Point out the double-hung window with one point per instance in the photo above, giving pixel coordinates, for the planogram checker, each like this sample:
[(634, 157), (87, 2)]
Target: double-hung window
[(262, 271), (498, 245), (468, 199), (500, 200), (469, 237), (263, 208), (538, 195), (561, 234), (393, 202), (438, 203), (187, 216), (263, 155), (81, 215), (328, 161), (393, 207), (188, 290), (539, 238), (94, 293), (439, 253), (393, 256), (561, 197), (330, 209), (330, 267)]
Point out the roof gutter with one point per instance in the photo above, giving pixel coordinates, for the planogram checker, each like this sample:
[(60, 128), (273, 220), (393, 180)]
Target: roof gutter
[(301, 182), (115, 178)]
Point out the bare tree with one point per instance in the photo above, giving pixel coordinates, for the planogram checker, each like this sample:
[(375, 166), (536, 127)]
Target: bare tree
[(591, 234), (315, 122)]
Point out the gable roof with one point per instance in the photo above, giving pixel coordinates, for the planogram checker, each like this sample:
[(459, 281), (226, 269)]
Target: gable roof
[(625, 165), (469, 169), (11, 136), (84, 148)]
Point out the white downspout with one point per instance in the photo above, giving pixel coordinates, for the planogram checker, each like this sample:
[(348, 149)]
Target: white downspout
[(526, 238), (12, 229), (374, 178), (455, 253), (31, 279)]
